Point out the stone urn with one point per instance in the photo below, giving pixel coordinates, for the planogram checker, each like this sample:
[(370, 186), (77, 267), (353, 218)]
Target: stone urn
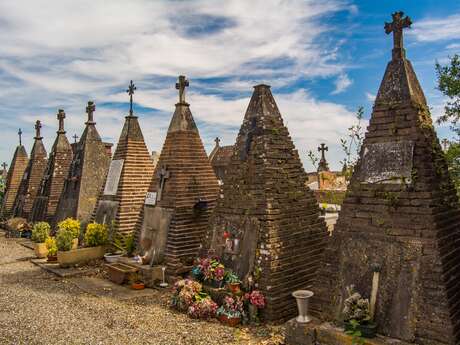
[(302, 297)]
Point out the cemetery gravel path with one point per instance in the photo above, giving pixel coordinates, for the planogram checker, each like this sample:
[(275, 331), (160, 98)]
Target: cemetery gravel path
[(37, 307)]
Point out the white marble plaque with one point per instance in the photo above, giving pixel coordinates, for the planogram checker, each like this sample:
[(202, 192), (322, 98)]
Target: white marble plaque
[(151, 198), (113, 177)]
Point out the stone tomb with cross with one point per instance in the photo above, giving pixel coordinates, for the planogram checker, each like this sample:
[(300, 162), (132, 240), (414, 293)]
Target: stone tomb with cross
[(13, 179), (30, 183), (53, 180), (86, 174), (123, 193), (397, 239), (185, 190)]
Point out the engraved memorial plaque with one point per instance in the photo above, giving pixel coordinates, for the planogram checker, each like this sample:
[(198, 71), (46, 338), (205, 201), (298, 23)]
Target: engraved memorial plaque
[(389, 162), (113, 177), (150, 198)]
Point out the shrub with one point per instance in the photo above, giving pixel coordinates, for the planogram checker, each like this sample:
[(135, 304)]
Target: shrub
[(96, 235), (72, 225), (40, 232), (64, 239), (51, 246)]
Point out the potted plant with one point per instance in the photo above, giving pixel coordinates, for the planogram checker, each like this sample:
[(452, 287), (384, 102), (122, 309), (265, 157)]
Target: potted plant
[(73, 226), (256, 301), (52, 249), (231, 311), (123, 245), (136, 281), (356, 315), (184, 292), (233, 282), (40, 232), (213, 271), (203, 307)]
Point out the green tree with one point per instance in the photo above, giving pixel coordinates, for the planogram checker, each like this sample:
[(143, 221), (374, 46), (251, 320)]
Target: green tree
[(449, 85), (453, 161)]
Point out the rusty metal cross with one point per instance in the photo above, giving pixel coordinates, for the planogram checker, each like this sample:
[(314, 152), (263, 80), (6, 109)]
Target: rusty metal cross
[(397, 26), (322, 148), (20, 137), (61, 117), (38, 126), (90, 109), (75, 137), (162, 175), (181, 85), (130, 91)]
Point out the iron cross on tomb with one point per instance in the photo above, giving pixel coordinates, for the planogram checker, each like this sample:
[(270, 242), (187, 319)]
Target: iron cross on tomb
[(323, 148), (20, 137), (162, 175), (130, 91), (38, 126), (75, 137), (90, 109), (396, 27), (181, 85), (61, 117)]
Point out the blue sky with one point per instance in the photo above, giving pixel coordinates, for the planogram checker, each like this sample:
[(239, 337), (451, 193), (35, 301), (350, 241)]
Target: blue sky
[(323, 59)]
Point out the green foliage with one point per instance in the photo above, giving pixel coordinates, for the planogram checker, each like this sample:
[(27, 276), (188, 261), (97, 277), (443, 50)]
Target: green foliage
[(449, 85), (71, 225), (51, 246), (452, 155), (40, 232), (124, 243), (392, 199), (96, 235), (64, 238), (356, 335), (232, 278), (351, 145), (313, 159)]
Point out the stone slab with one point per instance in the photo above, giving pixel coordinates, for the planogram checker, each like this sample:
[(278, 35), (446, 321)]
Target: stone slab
[(315, 332), (27, 243), (152, 276), (113, 177), (63, 272), (104, 288)]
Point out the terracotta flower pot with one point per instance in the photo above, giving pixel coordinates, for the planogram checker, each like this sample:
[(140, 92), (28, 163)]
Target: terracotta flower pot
[(52, 258), (75, 243), (40, 250), (234, 287), (233, 321), (137, 286)]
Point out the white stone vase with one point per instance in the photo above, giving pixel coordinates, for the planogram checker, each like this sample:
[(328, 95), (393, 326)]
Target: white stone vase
[(302, 297)]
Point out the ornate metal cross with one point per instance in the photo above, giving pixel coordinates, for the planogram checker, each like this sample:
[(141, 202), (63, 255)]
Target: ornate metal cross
[(75, 137), (323, 148), (217, 141), (162, 175), (90, 109), (181, 85), (130, 91), (61, 117), (38, 126), (20, 137), (397, 26)]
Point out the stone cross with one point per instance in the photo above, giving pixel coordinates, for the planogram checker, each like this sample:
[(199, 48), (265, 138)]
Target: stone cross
[(20, 137), (397, 26), (61, 117), (90, 109), (217, 141), (130, 91), (162, 175), (38, 126), (322, 166), (75, 137), (181, 85), (322, 148)]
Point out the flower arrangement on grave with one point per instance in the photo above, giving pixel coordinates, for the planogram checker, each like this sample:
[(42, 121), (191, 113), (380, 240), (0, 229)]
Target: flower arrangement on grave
[(40, 232), (209, 270), (255, 300), (96, 235), (184, 292), (233, 281), (356, 315), (231, 311), (203, 307), (70, 224), (52, 248)]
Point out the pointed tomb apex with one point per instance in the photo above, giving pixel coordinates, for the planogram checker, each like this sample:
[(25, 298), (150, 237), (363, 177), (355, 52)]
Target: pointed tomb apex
[(86, 173), (14, 177), (182, 195), (56, 172), (397, 239), (122, 196), (32, 177), (267, 227)]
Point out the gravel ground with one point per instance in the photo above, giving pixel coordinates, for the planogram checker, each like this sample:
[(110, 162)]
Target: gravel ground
[(37, 307)]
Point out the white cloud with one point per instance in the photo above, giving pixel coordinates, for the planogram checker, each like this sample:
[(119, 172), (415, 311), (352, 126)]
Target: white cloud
[(341, 84), (370, 97), (430, 30)]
